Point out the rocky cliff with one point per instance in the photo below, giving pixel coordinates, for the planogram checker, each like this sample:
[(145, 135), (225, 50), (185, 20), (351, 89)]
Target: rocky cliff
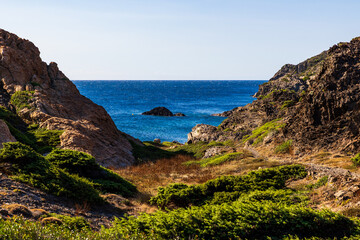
[(45, 96), (316, 104)]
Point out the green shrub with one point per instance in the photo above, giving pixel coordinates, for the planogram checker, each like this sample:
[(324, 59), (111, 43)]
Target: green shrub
[(182, 195), (284, 147), (149, 152), (217, 160), (198, 149), (261, 132), (32, 168), (46, 140), (238, 220), (356, 160), (21, 99), (321, 182), (85, 166)]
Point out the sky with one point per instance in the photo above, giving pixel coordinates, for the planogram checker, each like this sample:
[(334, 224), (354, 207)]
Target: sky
[(179, 39)]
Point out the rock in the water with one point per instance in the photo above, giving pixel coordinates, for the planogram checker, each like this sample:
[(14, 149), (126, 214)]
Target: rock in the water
[(179, 115), (157, 140), (57, 104), (159, 111), (5, 135)]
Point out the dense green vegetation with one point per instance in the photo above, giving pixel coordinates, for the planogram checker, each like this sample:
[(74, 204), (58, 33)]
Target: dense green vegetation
[(182, 195), (253, 206), (21, 99), (56, 173)]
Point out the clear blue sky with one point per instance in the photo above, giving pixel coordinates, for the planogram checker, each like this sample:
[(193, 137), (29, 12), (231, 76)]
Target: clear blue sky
[(179, 39)]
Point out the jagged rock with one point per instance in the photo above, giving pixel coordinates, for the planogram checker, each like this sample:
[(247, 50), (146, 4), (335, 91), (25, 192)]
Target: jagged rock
[(317, 101), (159, 111), (57, 104), (5, 135)]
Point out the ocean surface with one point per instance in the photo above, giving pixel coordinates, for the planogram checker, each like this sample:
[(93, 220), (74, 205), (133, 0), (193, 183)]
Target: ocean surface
[(126, 100)]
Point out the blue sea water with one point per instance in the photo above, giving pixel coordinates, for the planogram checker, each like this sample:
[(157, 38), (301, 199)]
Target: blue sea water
[(126, 100)]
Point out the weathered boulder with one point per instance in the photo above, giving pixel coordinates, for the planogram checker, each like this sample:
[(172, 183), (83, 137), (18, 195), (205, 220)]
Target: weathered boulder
[(57, 104), (5, 135)]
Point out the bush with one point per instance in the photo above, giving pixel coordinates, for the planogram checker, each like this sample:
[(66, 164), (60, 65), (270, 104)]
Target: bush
[(21, 99), (284, 147), (238, 220), (85, 166), (356, 160), (182, 195)]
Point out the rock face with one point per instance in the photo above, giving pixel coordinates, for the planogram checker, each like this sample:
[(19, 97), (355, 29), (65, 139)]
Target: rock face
[(5, 135), (57, 104), (316, 103), (162, 111)]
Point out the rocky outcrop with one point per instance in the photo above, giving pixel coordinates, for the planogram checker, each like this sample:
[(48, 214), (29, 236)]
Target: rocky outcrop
[(5, 135), (162, 111), (57, 104), (317, 104)]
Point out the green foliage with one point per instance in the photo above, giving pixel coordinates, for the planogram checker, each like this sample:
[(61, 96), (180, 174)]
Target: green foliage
[(321, 182), (182, 195), (149, 152), (238, 220), (46, 140), (261, 132), (21, 99), (356, 160), (60, 176), (287, 103), (217, 160), (284, 147), (72, 223), (85, 166)]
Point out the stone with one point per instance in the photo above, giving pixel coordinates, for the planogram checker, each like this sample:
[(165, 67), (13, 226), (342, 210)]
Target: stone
[(57, 104), (5, 135), (157, 140), (159, 111), (179, 115)]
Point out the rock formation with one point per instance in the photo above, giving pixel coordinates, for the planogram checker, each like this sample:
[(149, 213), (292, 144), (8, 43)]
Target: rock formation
[(162, 111), (315, 103), (56, 103), (5, 135)]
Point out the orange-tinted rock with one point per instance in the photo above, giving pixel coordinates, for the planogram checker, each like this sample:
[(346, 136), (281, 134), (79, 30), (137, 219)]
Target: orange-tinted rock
[(57, 104)]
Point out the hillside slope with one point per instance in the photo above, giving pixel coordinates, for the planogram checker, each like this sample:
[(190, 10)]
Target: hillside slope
[(314, 104), (41, 94)]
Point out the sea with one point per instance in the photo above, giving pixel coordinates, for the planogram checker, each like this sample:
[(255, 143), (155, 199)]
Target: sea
[(126, 100)]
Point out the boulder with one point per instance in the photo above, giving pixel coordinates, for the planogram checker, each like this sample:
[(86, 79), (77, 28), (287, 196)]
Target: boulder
[(5, 135), (179, 115)]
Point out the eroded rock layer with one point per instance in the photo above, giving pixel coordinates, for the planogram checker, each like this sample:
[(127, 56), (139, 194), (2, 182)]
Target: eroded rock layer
[(55, 103)]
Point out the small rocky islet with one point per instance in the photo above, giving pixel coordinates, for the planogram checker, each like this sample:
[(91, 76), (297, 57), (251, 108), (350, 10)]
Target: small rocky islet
[(162, 111), (58, 148)]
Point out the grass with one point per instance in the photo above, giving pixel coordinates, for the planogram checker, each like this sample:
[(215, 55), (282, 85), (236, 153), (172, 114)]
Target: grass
[(217, 160), (356, 160), (261, 132), (287, 104)]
